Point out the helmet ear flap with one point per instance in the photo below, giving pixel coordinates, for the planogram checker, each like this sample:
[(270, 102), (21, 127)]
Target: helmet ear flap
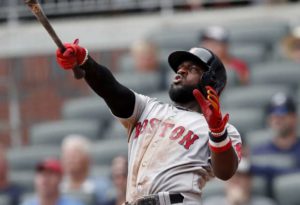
[(208, 78)]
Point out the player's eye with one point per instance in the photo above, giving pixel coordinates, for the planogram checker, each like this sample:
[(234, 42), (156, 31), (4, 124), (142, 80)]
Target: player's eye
[(194, 68)]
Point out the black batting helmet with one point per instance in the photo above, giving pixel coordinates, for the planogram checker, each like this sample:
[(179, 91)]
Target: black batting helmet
[(215, 74)]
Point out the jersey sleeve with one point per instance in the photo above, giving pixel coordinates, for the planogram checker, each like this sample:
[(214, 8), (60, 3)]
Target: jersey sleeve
[(235, 140), (141, 102)]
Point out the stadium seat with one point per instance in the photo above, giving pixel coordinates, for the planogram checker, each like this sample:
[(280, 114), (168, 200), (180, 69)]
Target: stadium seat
[(116, 130), (257, 137), (4, 199), (216, 187), (298, 97), (287, 188), (105, 150), (92, 107), (298, 115), (140, 82), (245, 119), (251, 53), (52, 133), (276, 73), (126, 63), (25, 179), (119, 4), (259, 186), (176, 37), (280, 64), (278, 53), (213, 187), (252, 96), (273, 160), (26, 158), (266, 32), (232, 79)]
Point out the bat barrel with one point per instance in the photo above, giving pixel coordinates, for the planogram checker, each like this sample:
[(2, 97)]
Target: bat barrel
[(37, 10)]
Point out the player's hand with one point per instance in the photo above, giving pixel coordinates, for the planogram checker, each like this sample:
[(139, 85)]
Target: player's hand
[(73, 55), (211, 110)]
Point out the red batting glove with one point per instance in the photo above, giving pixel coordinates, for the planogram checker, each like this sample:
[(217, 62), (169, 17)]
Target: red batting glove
[(211, 110), (73, 55)]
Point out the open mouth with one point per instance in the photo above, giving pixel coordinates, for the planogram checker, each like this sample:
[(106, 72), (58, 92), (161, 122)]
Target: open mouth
[(177, 79)]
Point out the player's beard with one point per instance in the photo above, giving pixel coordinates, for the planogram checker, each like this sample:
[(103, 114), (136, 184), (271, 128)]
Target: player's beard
[(182, 94)]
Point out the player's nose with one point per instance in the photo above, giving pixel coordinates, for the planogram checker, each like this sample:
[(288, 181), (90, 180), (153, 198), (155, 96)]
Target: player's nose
[(182, 70)]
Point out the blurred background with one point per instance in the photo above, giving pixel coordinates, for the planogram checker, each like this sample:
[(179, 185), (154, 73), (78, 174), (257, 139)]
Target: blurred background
[(41, 105)]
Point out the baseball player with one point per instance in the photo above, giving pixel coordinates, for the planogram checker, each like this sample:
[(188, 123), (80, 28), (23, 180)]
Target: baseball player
[(173, 149)]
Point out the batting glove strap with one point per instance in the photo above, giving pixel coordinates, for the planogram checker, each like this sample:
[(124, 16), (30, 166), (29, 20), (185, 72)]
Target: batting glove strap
[(85, 57), (218, 134), (220, 143)]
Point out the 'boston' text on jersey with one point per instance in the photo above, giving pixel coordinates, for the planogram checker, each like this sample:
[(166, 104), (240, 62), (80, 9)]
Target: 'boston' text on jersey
[(187, 137)]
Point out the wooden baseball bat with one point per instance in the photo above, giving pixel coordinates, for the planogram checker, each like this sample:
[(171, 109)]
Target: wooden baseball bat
[(37, 10)]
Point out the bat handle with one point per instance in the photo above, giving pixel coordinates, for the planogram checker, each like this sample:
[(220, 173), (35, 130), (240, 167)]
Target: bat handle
[(77, 71)]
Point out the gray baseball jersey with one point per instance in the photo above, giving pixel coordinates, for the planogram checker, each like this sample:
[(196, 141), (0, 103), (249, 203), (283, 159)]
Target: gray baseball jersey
[(168, 150)]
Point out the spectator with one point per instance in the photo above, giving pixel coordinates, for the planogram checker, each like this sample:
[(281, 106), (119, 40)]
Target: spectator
[(194, 4), (291, 45), (77, 163), (146, 59), (284, 147), (11, 191), (238, 189), (145, 56), (119, 178), (47, 180), (217, 40)]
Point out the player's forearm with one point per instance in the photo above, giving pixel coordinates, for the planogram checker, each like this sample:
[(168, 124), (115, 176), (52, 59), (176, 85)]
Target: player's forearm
[(119, 98), (224, 158), (224, 163)]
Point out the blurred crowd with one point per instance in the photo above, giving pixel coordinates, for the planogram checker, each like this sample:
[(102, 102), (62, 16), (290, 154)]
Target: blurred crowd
[(67, 180)]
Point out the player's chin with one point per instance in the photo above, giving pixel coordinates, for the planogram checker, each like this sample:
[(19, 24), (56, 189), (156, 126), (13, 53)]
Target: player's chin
[(181, 94), (176, 85)]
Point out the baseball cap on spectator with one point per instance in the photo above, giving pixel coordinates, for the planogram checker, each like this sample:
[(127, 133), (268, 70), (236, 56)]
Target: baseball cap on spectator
[(53, 165), (281, 104), (216, 33)]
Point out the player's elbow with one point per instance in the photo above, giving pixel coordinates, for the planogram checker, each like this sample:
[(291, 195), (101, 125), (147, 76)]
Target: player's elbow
[(224, 175), (225, 171)]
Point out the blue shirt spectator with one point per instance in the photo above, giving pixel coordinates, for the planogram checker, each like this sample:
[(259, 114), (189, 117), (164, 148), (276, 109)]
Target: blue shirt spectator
[(282, 154), (8, 191), (13, 194), (119, 179), (291, 162), (47, 185), (63, 200), (77, 181)]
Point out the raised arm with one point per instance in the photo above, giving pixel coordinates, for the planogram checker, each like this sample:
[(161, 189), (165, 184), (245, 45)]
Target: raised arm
[(119, 98), (224, 159)]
